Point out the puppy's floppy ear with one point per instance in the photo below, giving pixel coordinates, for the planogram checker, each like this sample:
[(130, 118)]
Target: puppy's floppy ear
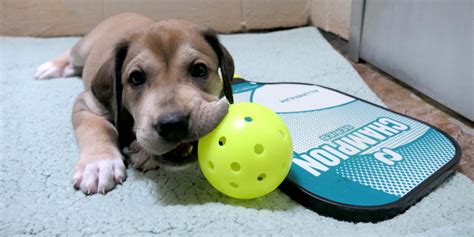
[(226, 63), (107, 84), (107, 87)]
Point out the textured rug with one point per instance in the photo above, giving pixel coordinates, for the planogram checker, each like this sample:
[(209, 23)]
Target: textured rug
[(38, 151)]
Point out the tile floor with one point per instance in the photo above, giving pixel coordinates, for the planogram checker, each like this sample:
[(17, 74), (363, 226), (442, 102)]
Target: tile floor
[(406, 100)]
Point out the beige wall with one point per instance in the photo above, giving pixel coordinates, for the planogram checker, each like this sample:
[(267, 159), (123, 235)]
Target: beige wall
[(48, 17), (76, 17), (267, 14), (332, 15)]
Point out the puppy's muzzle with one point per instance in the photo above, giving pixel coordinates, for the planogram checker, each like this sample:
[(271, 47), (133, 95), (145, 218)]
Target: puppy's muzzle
[(173, 126)]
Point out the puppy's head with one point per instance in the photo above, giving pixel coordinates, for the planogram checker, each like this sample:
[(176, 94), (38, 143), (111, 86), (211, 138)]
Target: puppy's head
[(165, 78)]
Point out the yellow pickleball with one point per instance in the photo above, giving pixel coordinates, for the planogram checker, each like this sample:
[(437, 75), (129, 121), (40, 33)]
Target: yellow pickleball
[(248, 154)]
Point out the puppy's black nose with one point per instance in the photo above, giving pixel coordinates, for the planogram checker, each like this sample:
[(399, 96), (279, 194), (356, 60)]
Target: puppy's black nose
[(173, 126)]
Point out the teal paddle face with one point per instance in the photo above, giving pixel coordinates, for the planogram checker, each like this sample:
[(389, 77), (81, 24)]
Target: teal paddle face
[(354, 160)]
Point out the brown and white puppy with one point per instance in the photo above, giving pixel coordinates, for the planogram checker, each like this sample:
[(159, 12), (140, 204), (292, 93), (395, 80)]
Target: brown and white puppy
[(153, 86)]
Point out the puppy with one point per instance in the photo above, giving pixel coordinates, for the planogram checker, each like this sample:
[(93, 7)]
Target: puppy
[(151, 86)]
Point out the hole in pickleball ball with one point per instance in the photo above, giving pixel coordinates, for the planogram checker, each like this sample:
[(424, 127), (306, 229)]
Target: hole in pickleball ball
[(235, 166), (222, 141), (258, 148), (211, 165), (261, 177), (282, 134), (248, 119), (234, 185)]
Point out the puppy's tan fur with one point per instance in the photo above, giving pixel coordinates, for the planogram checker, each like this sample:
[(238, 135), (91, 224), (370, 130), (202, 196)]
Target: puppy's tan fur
[(111, 106)]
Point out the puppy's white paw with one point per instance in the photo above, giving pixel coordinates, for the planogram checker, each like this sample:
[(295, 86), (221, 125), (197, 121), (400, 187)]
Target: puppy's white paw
[(48, 70), (54, 69), (70, 71), (140, 159), (98, 175)]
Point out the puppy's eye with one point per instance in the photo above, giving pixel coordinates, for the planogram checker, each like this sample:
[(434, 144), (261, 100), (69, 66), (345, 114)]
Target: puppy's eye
[(199, 70), (136, 78)]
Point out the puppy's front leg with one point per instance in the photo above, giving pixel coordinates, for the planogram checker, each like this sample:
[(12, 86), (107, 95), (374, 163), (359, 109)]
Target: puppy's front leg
[(100, 166)]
